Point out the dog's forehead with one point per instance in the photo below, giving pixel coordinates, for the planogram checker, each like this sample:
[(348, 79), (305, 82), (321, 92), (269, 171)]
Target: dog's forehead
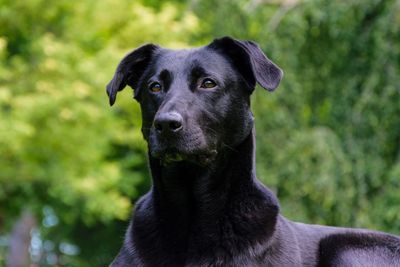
[(184, 60)]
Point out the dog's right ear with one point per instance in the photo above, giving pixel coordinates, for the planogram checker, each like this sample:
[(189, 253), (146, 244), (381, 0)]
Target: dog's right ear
[(250, 60), (130, 69)]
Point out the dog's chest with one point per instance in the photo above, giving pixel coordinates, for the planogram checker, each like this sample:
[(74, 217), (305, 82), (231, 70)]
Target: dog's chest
[(158, 248)]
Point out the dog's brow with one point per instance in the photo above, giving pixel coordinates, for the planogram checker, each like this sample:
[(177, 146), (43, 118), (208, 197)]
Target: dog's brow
[(164, 75), (197, 72)]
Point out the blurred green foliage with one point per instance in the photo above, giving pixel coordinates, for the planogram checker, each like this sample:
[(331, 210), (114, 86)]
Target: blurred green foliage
[(328, 138)]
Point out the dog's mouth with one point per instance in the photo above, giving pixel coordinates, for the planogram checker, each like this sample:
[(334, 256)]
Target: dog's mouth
[(188, 146), (169, 156)]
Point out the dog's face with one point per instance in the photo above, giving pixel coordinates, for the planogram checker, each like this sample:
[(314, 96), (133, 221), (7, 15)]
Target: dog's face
[(195, 102)]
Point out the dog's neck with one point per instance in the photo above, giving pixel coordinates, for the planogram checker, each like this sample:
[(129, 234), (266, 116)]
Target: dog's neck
[(196, 205), (187, 183)]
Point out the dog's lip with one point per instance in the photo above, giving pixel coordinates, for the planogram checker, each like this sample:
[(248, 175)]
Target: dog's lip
[(171, 155), (162, 152), (168, 155)]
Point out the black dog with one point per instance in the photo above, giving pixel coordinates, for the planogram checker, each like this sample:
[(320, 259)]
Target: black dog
[(206, 207)]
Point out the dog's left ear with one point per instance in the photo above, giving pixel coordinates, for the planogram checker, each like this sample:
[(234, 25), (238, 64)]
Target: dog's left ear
[(251, 62), (130, 69)]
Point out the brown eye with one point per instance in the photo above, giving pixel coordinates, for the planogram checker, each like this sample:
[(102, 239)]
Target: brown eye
[(208, 84), (155, 87)]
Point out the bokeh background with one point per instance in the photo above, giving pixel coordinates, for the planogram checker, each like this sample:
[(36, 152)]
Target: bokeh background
[(71, 167)]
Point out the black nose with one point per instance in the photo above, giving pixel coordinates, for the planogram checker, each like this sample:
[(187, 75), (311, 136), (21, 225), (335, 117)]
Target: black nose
[(169, 122)]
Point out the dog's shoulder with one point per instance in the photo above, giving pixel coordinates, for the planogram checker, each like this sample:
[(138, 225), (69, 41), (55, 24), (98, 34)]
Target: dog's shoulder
[(359, 248)]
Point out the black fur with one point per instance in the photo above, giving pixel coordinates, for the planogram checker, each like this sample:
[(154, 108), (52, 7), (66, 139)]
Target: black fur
[(206, 207)]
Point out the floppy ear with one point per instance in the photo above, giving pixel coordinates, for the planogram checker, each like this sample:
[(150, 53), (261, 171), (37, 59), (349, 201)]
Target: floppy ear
[(251, 62), (129, 70)]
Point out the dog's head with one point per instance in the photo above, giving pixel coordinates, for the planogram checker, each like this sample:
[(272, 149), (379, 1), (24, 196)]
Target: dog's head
[(195, 103)]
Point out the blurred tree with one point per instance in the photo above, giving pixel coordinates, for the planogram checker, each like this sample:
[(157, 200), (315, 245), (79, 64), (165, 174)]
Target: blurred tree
[(20, 241)]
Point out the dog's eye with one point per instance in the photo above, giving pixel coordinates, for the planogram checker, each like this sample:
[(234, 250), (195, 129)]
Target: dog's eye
[(155, 87), (208, 84)]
